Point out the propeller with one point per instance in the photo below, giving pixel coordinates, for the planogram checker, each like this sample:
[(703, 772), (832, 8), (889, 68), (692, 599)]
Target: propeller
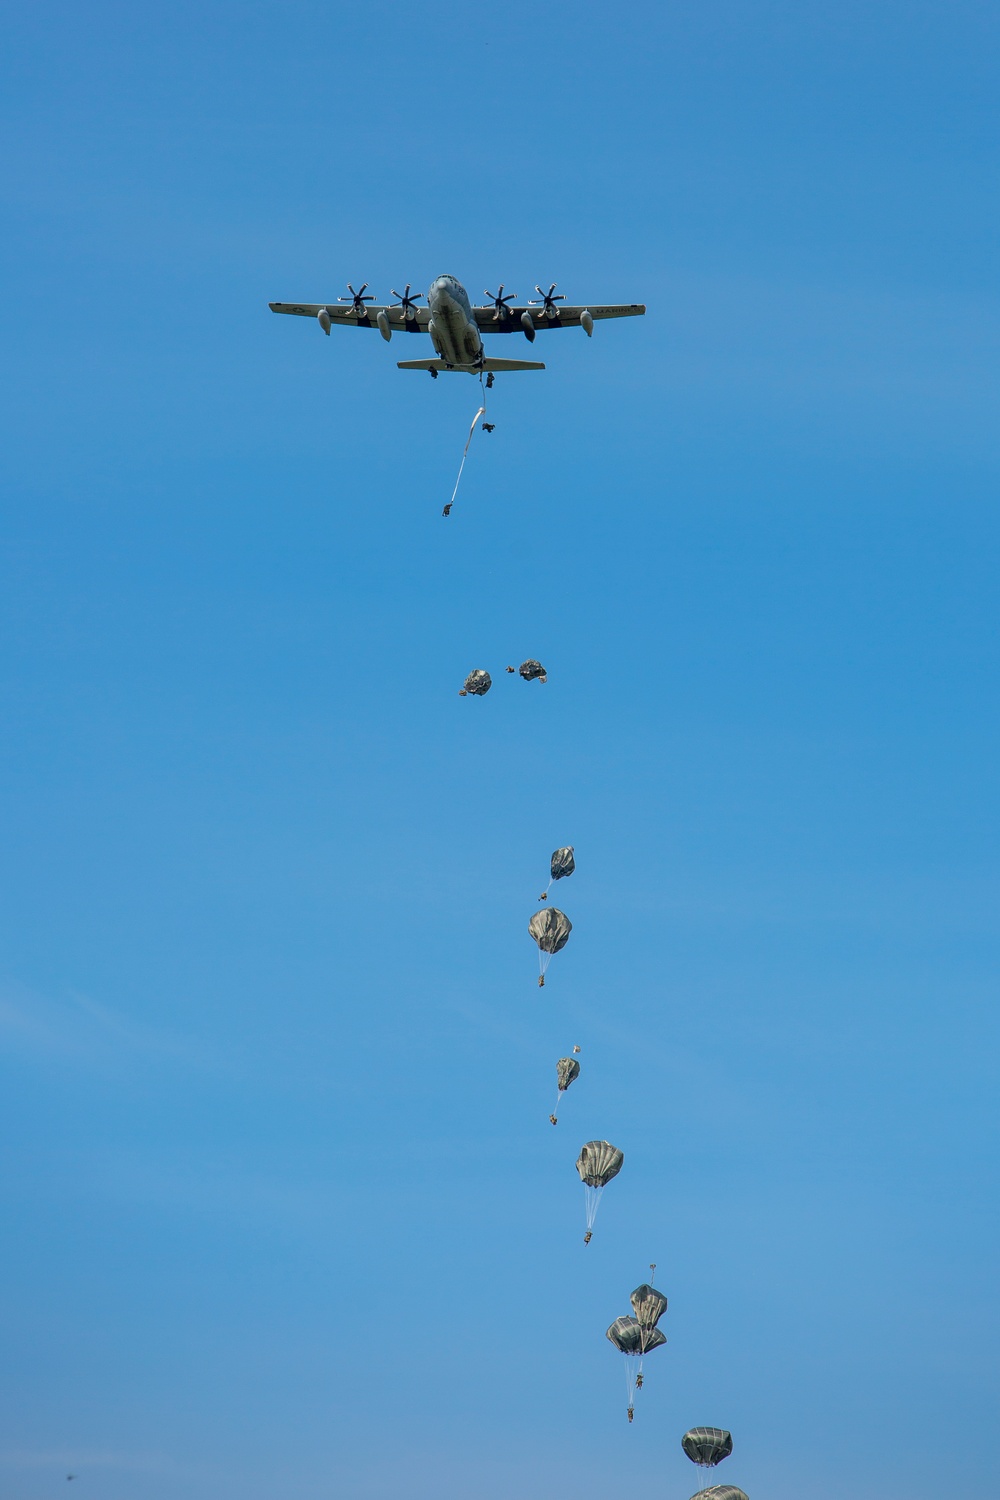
[(500, 303), (408, 303), (548, 302), (357, 300)]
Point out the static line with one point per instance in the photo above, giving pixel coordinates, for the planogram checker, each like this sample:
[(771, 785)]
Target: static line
[(465, 453)]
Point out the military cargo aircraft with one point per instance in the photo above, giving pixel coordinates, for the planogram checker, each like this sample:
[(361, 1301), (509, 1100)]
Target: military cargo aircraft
[(454, 325)]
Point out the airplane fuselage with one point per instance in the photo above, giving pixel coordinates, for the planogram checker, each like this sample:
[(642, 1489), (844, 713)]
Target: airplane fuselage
[(452, 327)]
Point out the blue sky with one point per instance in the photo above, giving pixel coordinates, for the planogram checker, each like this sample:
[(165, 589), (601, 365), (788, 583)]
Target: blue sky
[(284, 1215)]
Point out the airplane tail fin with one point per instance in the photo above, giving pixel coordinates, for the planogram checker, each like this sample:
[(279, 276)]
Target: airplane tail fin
[(489, 365)]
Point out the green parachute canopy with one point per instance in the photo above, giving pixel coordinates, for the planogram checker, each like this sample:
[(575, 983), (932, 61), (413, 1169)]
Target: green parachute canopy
[(561, 865), (598, 1162), (721, 1492), (567, 1069), (707, 1446), (649, 1305), (628, 1335), (550, 929)]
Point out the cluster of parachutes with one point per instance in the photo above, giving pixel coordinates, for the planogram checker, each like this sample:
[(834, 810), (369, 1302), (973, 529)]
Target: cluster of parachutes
[(551, 928), (479, 681), (637, 1334)]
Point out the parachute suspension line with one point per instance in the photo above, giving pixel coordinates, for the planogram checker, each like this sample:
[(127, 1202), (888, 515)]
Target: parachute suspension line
[(593, 1197), (465, 453), (629, 1383)]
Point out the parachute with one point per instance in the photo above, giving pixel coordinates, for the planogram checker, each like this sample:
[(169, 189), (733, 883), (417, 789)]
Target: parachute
[(628, 1335), (597, 1163), (649, 1305), (550, 929), (477, 683), (562, 864), (721, 1492), (567, 1069), (707, 1446), (531, 669)]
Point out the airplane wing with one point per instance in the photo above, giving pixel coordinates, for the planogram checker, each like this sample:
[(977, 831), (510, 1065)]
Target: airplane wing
[(567, 317), (343, 312)]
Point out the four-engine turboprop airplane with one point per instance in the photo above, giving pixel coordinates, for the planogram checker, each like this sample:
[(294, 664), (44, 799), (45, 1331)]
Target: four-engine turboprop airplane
[(455, 325)]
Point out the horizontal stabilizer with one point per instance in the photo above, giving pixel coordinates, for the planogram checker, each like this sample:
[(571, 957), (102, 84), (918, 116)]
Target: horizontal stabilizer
[(511, 364), (488, 365)]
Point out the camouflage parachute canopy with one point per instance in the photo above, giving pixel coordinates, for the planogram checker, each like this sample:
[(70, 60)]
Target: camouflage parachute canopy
[(567, 1069), (649, 1305), (598, 1162), (628, 1335), (707, 1446), (550, 929), (477, 683), (563, 863), (531, 669), (720, 1492)]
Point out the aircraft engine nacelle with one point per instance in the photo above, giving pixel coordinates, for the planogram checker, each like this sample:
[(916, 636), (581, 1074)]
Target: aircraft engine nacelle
[(383, 326), (323, 319), (587, 322), (528, 326)]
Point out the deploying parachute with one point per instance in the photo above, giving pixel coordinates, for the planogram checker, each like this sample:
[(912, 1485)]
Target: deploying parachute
[(562, 864), (477, 683), (707, 1446), (531, 669), (567, 1069), (597, 1163), (634, 1341), (721, 1492), (550, 929)]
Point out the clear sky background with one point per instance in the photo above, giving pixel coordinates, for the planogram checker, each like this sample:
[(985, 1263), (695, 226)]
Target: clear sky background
[(284, 1214)]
